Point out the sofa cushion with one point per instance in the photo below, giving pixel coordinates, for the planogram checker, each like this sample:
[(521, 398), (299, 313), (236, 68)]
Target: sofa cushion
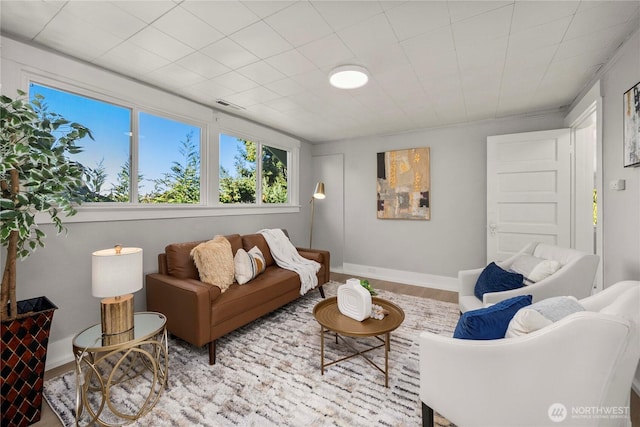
[(248, 264), (490, 322), (541, 314), (534, 269), (180, 263), (242, 301), (495, 279), (251, 240), (214, 261)]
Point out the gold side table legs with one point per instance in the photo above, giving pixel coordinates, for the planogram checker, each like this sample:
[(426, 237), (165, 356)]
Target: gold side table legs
[(99, 374)]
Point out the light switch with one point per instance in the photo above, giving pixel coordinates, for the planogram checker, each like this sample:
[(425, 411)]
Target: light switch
[(617, 184)]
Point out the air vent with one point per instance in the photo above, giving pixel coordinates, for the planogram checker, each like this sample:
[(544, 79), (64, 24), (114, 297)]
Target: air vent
[(229, 104)]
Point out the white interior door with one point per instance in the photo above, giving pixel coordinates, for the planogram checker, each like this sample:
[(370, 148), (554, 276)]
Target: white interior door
[(528, 191)]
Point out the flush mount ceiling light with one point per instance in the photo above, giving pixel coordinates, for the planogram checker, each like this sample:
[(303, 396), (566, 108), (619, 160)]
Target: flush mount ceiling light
[(348, 77)]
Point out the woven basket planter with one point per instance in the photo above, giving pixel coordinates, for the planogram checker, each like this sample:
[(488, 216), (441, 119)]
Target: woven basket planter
[(23, 355)]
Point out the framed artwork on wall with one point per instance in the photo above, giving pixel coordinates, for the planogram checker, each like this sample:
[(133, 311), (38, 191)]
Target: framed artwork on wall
[(404, 184), (631, 128)]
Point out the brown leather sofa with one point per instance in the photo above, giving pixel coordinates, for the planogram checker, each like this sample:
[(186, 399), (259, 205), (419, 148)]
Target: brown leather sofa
[(199, 313)]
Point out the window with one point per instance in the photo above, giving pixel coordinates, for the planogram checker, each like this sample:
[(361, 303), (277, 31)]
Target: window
[(107, 157), (167, 165), (169, 161), (246, 177), (147, 162)]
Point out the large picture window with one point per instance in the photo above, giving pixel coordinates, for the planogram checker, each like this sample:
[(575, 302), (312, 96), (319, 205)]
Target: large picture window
[(252, 172), (107, 157), (145, 158), (169, 161), (166, 168)]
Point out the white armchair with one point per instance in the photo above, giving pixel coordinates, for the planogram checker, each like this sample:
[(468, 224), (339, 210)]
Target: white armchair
[(582, 364), (575, 277)]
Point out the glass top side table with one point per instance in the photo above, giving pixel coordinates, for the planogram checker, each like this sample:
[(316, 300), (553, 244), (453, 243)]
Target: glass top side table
[(105, 363)]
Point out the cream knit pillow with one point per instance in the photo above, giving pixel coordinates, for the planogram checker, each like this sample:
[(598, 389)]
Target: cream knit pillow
[(214, 261)]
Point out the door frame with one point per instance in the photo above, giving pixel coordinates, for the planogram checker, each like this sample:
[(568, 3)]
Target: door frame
[(590, 102)]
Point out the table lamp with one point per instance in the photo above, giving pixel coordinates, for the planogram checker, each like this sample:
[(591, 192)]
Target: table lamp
[(116, 274)]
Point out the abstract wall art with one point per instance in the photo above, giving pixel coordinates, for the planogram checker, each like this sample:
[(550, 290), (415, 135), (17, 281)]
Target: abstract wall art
[(404, 184), (632, 126)]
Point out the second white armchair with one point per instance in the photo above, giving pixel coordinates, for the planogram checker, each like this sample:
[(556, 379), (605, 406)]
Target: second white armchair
[(575, 277)]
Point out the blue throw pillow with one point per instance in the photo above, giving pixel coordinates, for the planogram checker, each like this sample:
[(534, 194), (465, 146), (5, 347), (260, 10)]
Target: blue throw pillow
[(495, 279), (491, 322)]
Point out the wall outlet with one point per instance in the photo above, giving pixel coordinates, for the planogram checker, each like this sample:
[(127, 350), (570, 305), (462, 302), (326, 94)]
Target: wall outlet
[(617, 184)]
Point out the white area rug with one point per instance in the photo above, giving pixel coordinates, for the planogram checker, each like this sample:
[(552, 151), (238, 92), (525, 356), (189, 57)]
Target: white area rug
[(268, 374)]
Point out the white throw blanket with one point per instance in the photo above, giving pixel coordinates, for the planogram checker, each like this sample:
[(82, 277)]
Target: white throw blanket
[(287, 257)]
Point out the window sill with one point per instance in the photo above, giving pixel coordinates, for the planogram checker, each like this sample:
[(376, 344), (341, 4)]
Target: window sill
[(135, 213)]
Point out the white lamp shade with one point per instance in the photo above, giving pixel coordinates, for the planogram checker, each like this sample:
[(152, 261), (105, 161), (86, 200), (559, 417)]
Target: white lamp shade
[(115, 274)]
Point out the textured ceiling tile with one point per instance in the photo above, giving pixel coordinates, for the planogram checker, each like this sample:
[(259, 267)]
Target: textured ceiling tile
[(368, 36), (607, 14), (161, 44), (225, 16), (148, 10), (291, 63), (261, 40), (229, 53), (203, 65), (299, 24), (527, 14), (345, 13), (495, 23), (327, 52), (261, 72), (26, 19), (106, 16), (413, 18), (187, 28)]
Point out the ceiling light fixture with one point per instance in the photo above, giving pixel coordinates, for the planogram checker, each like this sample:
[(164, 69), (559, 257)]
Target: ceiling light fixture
[(349, 77)]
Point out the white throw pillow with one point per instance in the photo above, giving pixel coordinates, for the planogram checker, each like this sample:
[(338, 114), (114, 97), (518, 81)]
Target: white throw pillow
[(534, 269), (248, 264), (541, 314)]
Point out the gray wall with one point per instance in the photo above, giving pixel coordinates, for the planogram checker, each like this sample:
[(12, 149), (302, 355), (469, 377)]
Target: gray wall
[(621, 209), (454, 238)]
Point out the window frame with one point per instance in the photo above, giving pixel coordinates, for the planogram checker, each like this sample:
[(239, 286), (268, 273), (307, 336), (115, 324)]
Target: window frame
[(260, 143), (209, 205)]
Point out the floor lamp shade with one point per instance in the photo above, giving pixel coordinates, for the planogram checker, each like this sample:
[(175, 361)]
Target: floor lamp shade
[(318, 193), (115, 275)]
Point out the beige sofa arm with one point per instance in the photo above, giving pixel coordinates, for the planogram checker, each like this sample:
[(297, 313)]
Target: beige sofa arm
[(185, 302)]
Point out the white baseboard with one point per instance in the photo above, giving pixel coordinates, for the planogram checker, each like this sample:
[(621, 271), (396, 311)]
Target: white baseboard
[(424, 280), (59, 352)]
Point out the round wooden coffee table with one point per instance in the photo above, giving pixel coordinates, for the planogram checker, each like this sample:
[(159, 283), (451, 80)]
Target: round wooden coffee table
[(331, 320)]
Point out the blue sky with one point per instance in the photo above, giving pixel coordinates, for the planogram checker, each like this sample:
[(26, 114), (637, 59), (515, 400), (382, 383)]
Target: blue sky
[(159, 140)]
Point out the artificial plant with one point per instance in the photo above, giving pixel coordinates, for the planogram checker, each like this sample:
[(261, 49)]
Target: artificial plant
[(36, 175)]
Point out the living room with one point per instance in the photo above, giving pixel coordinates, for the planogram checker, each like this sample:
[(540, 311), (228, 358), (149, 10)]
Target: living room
[(424, 253)]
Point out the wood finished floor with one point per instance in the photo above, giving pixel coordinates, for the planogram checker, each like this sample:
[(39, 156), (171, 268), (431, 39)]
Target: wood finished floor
[(49, 419)]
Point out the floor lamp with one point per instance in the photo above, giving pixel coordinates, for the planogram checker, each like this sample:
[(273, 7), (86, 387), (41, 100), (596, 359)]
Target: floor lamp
[(318, 193)]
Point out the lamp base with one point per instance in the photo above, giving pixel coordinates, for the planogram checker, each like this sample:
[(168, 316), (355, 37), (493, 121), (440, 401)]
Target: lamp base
[(116, 314)]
